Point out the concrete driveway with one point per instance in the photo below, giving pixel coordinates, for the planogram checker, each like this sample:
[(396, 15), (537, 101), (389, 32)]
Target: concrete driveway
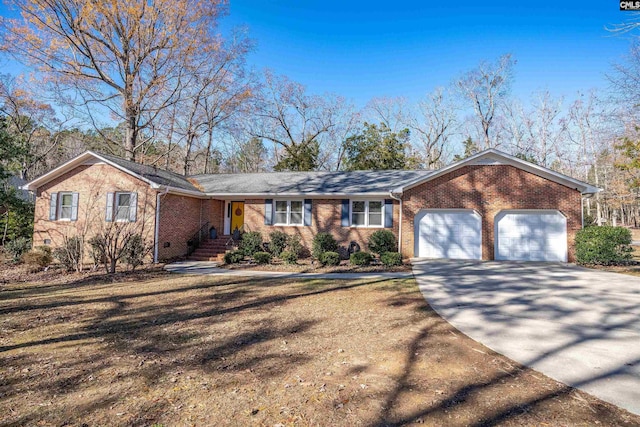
[(579, 326)]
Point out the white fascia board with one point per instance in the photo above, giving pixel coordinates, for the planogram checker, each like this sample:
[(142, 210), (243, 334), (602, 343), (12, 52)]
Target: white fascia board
[(299, 195), (179, 191), (541, 171)]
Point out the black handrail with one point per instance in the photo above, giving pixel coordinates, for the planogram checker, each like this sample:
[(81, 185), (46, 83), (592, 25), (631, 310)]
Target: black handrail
[(194, 242)]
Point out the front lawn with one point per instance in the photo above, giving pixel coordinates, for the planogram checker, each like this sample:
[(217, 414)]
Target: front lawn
[(178, 350)]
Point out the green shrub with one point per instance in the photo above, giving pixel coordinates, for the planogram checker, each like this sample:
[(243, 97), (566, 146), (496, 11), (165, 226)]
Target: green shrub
[(382, 241), (277, 242), (70, 253), (97, 252), (135, 250), (251, 242), (233, 257), (262, 257), (605, 245), (361, 258), (17, 247), (389, 259), (39, 257), (289, 257), (330, 258), (323, 242)]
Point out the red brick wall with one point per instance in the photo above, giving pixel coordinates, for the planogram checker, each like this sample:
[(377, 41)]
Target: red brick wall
[(92, 182), (180, 218), (326, 217), (489, 190)]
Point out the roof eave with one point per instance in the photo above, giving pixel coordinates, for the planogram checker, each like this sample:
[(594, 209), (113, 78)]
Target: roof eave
[(179, 191), (308, 195), (77, 161), (546, 173)]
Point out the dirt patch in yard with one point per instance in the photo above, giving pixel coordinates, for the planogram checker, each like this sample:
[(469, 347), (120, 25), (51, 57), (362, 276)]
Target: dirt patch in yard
[(184, 350)]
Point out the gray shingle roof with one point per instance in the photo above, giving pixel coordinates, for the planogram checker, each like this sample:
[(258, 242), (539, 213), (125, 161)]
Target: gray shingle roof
[(357, 182), (156, 175)]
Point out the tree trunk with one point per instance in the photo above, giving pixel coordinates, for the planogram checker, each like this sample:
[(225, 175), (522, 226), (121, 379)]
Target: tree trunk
[(190, 137), (130, 138)]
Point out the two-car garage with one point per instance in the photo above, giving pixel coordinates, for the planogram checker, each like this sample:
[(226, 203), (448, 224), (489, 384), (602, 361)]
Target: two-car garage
[(523, 235)]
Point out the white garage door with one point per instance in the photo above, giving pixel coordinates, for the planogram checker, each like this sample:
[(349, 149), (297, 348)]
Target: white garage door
[(531, 236), (454, 234)]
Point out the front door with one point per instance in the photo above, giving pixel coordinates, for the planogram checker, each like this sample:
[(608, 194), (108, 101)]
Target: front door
[(237, 215)]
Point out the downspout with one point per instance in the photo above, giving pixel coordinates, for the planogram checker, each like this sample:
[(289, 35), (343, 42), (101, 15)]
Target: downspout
[(582, 210), (399, 199), (157, 227)]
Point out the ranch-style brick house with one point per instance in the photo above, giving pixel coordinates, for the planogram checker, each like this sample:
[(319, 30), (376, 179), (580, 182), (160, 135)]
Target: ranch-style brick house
[(488, 206)]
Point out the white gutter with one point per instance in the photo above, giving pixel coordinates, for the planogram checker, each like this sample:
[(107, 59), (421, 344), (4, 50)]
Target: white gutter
[(305, 195), (399, 223), (156, 243)]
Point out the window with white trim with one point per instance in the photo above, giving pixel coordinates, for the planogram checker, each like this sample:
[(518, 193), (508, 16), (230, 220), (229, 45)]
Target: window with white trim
[(367, 213), (289, 212), (123, 206), (66, 205)]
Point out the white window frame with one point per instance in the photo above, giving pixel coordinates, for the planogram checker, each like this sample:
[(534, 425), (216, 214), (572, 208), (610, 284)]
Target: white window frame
[(366, 213), (61, 195), (116, 206), (288, 223)]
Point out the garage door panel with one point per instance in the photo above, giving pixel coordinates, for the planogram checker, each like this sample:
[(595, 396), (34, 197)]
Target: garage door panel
[(449, 234), (531, 236)]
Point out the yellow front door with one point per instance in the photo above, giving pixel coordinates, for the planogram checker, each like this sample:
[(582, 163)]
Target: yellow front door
[(237, 215)]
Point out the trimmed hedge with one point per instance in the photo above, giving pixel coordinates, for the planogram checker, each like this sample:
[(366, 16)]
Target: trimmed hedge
[(289, 257), (233, 257), (277, 242), (323, 242), (251, 242), (295, 246), (605, 245), (330, 258), (361, 258), (390, 259), (382, 241), (262, 257)]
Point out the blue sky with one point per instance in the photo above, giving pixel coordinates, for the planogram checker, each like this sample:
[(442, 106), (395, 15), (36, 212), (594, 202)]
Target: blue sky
[(406, 48)]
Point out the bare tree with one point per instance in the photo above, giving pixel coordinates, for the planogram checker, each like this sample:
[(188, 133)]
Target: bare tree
[(587, 131), (130, 57), (32, 123), (433, 126), (486, 88), (535, 133), (625, 82), (392, 112), (630, 25), (298, 124)]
